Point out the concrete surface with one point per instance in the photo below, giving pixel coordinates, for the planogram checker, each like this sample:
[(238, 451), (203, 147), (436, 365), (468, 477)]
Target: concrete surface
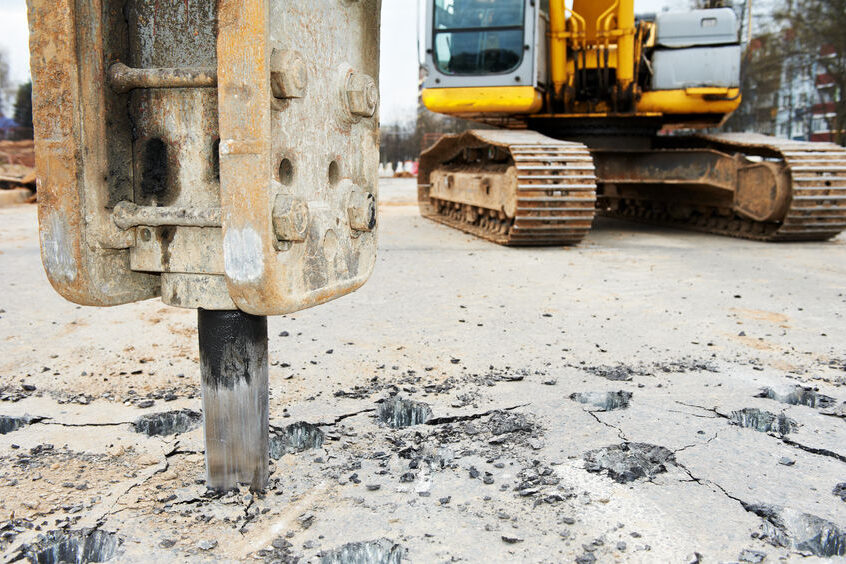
[(508, 467)]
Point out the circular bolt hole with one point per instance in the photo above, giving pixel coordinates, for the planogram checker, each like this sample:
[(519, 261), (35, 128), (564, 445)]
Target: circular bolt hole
[(146, 235), (334, 172), (828, 182), (286, 172)]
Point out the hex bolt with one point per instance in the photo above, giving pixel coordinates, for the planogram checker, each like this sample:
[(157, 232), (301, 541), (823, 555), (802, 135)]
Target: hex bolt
[(288, 74), (362, 210), (362, 95), (290, 218)]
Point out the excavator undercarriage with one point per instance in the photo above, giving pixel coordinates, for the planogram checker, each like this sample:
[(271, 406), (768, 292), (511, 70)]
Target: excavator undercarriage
[(510, 187), (742, 185), (524, 188)]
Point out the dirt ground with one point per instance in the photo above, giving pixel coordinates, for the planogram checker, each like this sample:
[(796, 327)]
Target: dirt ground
[(650, 396)]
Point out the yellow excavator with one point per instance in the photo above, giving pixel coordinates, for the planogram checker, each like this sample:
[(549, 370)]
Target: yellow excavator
[(587, 101)]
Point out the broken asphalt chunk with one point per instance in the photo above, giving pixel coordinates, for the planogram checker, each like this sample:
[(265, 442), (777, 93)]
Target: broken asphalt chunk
[(168, 423), (800, 531), (604, 401), (84, 545), (9, 424), (381, 551), (763, 421), (628, 462), (399, 413), (295, 438)]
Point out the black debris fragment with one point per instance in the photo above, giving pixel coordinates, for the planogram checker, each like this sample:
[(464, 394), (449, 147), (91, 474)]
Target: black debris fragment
[(618, 373), (749, 555), (281, 551), (624, 373), (502, 422)]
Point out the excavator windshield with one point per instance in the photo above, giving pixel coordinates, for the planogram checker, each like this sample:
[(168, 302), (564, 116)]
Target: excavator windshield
[(475, 37)]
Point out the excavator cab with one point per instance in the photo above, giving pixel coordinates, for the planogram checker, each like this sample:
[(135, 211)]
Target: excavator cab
[(485, 51), (544, 61)]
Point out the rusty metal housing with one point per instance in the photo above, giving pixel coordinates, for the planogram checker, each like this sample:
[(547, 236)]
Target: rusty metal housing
[(171, 135)]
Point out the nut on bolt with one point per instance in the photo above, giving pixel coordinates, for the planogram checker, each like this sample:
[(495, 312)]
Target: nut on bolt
[(362, 210), (288, 74), (361, 94), (290, 218)]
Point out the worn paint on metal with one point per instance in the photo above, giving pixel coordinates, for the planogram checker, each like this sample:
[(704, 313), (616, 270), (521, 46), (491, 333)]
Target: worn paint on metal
[(333, 39), (75, 186), (242, 255), (56, 245)]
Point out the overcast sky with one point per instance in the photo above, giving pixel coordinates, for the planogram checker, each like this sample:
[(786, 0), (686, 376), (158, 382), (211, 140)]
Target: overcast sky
[(399, 49)]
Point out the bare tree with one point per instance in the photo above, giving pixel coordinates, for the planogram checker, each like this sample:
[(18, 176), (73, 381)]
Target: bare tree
[(404, 141), (23, 108), (7, 89), (818, 28)]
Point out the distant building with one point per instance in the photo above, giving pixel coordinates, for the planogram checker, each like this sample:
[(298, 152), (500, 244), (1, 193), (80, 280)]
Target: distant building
[(823, 110), (788, 93), (806, 97)]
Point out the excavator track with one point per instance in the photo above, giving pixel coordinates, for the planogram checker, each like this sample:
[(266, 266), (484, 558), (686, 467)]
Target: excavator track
[(817, 206), (554, 198)]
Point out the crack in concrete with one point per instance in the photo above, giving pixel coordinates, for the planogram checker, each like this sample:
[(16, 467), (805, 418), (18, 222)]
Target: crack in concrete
[(340, 418), (685, 447), (691, 414), (471, 417), (785, 440), (247, 518), (161, 469), (620, 433), (709, 409), (60, 424), (704, 482), (814, 450)]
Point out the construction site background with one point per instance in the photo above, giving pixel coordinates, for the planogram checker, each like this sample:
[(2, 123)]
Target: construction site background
[(793, 79)]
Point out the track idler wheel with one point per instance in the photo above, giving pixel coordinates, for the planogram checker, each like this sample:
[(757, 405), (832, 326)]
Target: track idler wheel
[(763, 191)]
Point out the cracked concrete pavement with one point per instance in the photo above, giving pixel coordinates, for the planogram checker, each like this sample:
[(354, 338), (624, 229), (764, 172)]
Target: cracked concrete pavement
[(651, 395)]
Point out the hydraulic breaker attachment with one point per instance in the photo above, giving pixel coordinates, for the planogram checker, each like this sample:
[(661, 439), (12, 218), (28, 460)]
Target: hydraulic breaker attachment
[(219, 154)]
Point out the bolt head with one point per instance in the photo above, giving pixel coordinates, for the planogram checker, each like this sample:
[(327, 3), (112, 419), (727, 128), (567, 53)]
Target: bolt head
[(362, 95), (362, 210), (288, 74), (290, 218)]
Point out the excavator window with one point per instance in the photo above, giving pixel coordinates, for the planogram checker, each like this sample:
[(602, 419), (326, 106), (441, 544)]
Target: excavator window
[(475, 37)]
